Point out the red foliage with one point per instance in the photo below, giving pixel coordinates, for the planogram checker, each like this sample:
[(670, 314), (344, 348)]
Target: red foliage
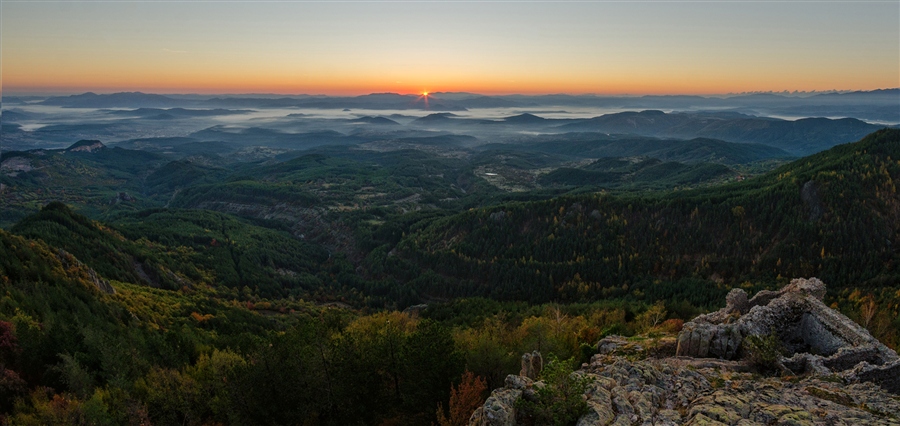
[(9, 345), (673, 325), (464, 400)]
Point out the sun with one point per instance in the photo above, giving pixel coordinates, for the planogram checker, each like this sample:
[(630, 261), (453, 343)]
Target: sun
[(424, 99)]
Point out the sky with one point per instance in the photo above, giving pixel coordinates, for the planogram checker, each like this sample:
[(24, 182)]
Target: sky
[(489, 47)]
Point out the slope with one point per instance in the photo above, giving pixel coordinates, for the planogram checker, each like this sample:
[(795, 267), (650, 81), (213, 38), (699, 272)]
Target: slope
[(835, 215), (178, 248), (96, 178)]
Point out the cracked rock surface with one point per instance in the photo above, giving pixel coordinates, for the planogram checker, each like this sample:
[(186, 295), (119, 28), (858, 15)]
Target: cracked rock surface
[(835, 372), (819, 340), (685, 391)]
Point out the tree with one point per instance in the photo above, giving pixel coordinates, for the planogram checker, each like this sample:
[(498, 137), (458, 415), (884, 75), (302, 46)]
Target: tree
[(560, 401), (652, 317), (464, 400), (867, 309)]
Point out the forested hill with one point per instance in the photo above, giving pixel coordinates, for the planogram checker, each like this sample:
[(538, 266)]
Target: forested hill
[(175, 248), (835, 215)]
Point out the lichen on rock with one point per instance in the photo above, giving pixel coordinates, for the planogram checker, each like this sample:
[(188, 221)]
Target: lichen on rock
[(817, 339), (841, 374)]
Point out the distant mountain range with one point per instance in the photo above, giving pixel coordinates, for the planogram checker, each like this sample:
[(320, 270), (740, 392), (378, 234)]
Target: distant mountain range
[(800, 137), (797, 137), (171, 113), (114, 100), (879, 105)]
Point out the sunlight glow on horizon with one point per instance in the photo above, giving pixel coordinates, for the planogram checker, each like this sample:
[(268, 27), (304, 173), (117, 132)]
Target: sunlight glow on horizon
[(486, 48)]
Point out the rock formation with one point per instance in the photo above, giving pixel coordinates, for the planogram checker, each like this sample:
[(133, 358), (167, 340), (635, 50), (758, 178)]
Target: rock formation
[(75, 266), (844, 372), (86, 146), (415, 310), (687, 391), (816, 338), (532, 365)]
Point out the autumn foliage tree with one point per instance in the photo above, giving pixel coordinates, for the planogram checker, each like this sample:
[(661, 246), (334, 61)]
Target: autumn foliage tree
[(10, 383), (464, 400)]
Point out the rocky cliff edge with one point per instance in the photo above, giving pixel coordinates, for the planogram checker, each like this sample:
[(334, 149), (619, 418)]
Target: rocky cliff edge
[(833, 371)]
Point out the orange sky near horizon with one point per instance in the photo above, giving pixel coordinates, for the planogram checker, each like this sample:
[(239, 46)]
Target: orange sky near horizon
[(488, 48)]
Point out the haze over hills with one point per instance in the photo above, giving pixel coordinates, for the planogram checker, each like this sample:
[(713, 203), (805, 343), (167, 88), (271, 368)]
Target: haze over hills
[(877, 105), (303, 122), (800, 137)]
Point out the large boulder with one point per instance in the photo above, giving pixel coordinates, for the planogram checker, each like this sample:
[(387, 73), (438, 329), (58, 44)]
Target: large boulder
[(817, 339), (498, 410), (532, 365)]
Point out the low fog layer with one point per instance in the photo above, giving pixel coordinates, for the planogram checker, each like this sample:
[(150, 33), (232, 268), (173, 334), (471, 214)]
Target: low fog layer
[(303, 122)]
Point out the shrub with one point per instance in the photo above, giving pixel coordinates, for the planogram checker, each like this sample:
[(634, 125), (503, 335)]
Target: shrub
[(561, 400), (764, 352)]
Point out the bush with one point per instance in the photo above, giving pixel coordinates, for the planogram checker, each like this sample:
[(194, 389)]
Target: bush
[(561, 400), (764, 352)]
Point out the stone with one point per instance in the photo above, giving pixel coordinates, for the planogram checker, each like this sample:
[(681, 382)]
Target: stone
[(609, 344), (518, 382), (532, 365), (810, 196), (811, 287), (736, 301), (74, 266), (819, 340), (498, 410), (600, 414), (415, 310), (847, 376), (678, 391)]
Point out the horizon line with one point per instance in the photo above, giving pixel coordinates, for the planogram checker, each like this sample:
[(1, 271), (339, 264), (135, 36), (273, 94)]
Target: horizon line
[(430, 93)]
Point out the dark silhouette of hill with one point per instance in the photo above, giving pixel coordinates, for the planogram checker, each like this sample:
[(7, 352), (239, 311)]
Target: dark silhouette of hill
[(800, 137), (649, 173), (525, 118), (593, 145), (259, 136), (12, 116), (381, 121), (376, 101), (482, 102), (437, 117), (176, 112), (86, 146), (114, 100), (890, 96)]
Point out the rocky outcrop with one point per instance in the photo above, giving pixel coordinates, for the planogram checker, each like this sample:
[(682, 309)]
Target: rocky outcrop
[(816, 338), (75, 266), (498, 410), (122, 197), (842, 375), (686, 391), (532, 365), (12, 166), (415, 310), (809, 193), (86, 146)]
